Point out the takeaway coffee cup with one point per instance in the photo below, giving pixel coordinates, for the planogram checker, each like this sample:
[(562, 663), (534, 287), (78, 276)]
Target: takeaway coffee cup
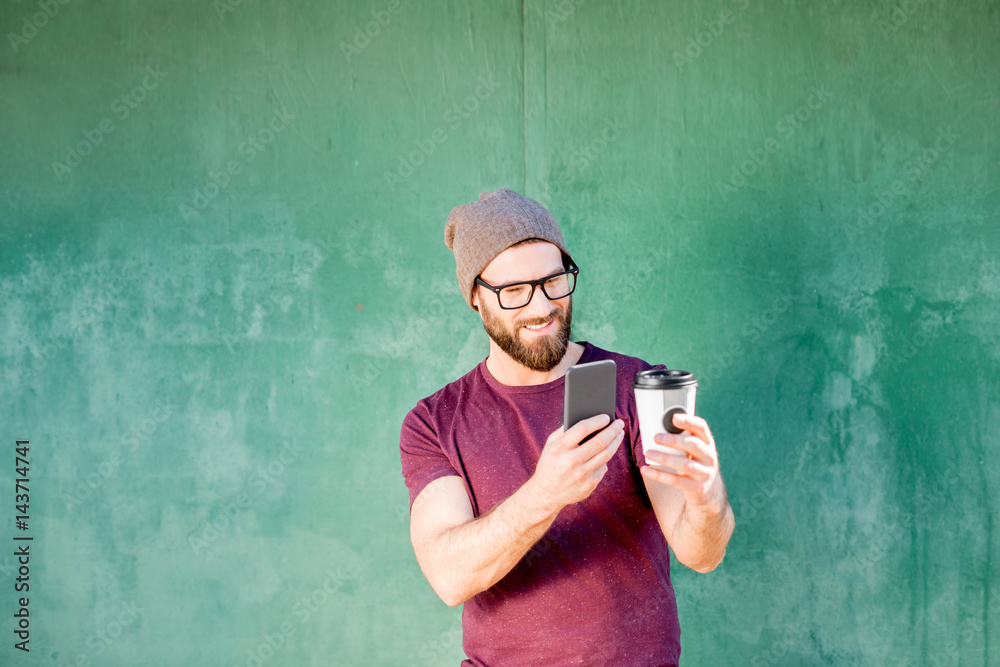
[(659, 395)]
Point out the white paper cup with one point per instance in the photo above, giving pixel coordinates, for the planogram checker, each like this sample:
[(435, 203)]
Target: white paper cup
[(659, 394)]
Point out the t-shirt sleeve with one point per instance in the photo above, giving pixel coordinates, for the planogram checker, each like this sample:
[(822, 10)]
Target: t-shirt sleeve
[(420, 451), (637, 454)]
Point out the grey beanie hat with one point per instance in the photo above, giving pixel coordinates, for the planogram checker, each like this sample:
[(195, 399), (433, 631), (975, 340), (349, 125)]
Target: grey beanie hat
[(479, 231)]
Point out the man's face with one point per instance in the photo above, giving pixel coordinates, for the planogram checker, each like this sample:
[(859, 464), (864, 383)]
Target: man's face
[(538, 350)]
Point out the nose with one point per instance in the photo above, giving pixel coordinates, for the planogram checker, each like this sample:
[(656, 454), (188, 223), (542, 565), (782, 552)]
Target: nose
[(540, 307)]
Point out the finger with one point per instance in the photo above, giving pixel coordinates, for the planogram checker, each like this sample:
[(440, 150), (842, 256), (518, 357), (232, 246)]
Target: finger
[(589, 459), (609, 450), (554, 436), (684, 442), (694, 425), (680, 464), (688, 486), (694, 492), (657, 475), (601, 439), (585, 427), (689, 444)]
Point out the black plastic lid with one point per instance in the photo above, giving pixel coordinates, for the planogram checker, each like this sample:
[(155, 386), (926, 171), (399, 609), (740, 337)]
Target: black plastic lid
[(663, 379)]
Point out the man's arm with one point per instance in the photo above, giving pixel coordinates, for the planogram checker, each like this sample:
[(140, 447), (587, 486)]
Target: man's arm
[(698, 536), (692, 506), (462, 556)]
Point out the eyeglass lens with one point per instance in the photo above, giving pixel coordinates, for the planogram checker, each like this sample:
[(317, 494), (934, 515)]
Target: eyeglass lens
[(518, 296)]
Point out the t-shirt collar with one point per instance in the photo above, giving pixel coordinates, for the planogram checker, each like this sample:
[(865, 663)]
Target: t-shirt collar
[(588, 351)]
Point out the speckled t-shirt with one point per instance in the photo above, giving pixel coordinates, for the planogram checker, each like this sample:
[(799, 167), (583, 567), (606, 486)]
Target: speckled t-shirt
[(595, 589)]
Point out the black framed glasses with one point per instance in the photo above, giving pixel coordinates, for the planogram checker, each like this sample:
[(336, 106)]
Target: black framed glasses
[(518, 295)]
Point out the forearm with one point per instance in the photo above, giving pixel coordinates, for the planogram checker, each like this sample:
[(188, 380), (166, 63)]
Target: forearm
[(702, 534), (471, 557)]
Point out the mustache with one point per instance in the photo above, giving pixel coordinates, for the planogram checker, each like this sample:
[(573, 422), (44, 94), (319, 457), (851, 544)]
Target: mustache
[(555, 316)]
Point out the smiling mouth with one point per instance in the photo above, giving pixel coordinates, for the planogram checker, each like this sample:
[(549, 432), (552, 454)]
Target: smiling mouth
[(540, 329)]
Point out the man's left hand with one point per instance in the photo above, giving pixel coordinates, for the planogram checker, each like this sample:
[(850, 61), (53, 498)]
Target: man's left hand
[(697, 472)]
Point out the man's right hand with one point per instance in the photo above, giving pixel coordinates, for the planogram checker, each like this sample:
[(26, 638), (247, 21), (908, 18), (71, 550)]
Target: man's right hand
[(462, 556), (567, 472)]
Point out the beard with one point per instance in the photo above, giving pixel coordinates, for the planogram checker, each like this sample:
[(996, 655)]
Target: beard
[(542, 354)]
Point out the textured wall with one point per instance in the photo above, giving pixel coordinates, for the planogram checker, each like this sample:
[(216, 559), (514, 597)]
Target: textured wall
[(224, 282)]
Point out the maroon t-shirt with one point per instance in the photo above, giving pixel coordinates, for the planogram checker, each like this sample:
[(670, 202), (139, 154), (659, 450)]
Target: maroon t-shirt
[(595, 589)]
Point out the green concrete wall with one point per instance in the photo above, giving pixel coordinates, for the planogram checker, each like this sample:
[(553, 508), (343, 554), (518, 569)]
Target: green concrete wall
[(224, 282)]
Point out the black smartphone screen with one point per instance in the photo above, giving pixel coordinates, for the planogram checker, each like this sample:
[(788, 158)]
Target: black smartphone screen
[(590, 391)]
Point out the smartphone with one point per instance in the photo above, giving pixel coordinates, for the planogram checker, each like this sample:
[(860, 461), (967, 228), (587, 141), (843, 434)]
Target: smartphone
[(590, 391)]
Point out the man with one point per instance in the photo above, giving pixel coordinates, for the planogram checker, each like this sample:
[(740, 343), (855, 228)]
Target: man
[(558, 550)]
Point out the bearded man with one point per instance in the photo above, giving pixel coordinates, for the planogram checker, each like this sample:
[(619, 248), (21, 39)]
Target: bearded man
[(558, 550)]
